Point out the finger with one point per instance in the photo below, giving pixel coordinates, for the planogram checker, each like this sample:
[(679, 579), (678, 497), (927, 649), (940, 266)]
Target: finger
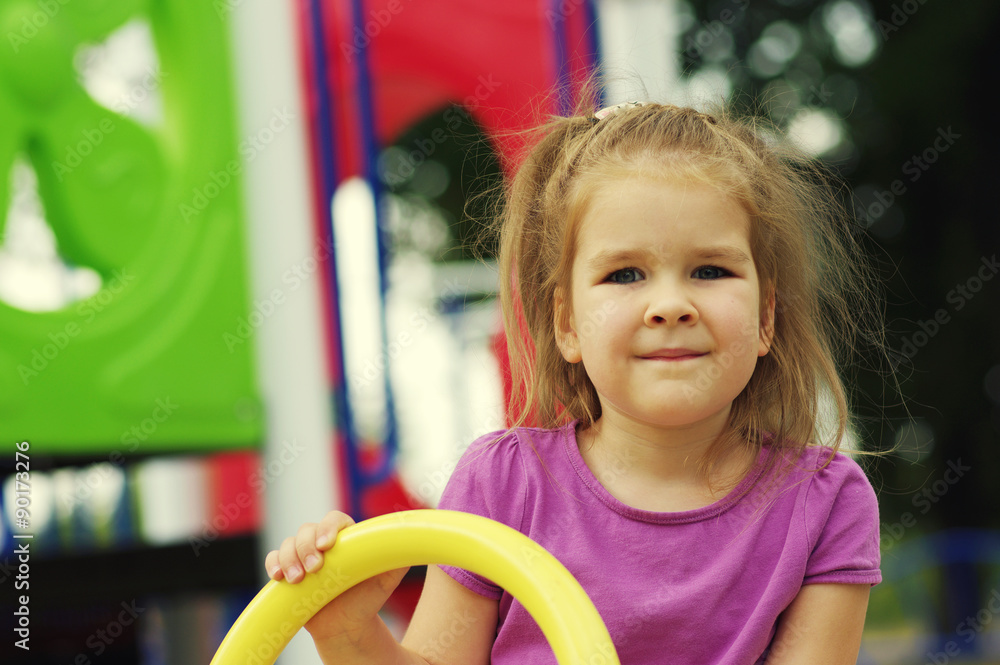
[(380, 587), (288, 559), (329, 526), (390, 579), (355, 607), (370, 595), (272, 566), (305, 547)]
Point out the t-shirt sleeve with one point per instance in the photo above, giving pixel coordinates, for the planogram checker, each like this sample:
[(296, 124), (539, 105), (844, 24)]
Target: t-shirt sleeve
[(489, 480), (842, 522)]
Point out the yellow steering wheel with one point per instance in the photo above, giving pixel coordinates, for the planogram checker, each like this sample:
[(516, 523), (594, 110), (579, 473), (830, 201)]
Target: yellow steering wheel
[(547, 590)]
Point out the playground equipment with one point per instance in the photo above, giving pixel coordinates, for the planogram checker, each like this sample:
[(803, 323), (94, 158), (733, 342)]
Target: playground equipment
[(547, 590)]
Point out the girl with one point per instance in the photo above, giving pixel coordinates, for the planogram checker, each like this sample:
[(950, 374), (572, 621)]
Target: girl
[(686, 285)]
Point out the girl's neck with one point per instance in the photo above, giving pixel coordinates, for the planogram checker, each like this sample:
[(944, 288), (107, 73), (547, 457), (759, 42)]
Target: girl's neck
[(659, 469)]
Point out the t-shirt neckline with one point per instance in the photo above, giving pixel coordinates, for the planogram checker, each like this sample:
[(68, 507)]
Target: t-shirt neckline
[(681, 517)]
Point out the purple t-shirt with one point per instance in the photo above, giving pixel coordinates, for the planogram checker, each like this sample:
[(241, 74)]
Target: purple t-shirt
[(702, 586)]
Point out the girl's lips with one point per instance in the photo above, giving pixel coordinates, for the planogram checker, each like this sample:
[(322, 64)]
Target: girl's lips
[(673, 354)]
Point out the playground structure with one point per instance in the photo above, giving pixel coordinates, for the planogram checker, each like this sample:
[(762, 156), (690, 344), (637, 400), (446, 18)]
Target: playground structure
[(191, 216), (558, 603)]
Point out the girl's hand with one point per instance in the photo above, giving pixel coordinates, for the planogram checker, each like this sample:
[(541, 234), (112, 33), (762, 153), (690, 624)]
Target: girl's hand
[(352, 616), (303, 553)]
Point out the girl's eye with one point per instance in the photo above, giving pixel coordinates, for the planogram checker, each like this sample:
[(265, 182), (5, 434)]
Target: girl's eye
[(711, 272), (624, 276)]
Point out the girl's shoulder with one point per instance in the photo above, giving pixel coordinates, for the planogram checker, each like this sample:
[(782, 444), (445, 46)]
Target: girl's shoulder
[(514, 441), (498, 473), (824, 479), (503, 452), (836, 509), (825, 463)]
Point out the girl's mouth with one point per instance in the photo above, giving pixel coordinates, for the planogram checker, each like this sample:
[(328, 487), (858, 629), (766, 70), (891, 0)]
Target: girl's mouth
[(673, 354)]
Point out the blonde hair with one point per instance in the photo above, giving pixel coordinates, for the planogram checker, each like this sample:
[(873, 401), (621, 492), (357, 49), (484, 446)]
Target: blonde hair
[(801, 239)]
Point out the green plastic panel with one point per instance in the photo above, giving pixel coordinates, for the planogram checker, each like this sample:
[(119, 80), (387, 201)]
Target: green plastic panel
[(148, 364)]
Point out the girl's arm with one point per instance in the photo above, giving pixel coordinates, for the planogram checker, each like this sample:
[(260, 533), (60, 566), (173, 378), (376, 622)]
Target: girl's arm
[(822, 626), (451, 624)]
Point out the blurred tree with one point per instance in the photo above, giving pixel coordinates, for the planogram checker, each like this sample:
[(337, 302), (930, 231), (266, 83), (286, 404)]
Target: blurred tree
[(898, 93), (441, 171), (894, 97)]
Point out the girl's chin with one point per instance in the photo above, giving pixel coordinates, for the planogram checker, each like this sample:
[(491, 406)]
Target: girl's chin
[(672, 419)]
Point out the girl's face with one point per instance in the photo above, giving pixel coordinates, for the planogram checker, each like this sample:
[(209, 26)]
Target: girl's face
[(664, 306)]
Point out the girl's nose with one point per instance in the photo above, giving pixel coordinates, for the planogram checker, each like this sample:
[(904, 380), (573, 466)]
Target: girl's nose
[(671, 307)]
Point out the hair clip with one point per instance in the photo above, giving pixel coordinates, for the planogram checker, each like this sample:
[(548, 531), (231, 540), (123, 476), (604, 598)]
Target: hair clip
[(608, 110)]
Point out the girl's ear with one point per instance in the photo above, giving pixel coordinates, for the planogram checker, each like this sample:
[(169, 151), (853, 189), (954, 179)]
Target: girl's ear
[(563, 325), (766, 334)]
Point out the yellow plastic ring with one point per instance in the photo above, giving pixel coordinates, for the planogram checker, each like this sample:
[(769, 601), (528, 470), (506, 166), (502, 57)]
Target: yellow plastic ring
[(548, 591)]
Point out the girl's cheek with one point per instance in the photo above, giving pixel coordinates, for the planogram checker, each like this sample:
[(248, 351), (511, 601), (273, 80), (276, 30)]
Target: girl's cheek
[(748, 328), (617, 326), (602, 320)]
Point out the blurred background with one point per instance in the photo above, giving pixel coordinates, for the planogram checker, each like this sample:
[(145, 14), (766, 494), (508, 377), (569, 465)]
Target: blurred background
[(244, 279)]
